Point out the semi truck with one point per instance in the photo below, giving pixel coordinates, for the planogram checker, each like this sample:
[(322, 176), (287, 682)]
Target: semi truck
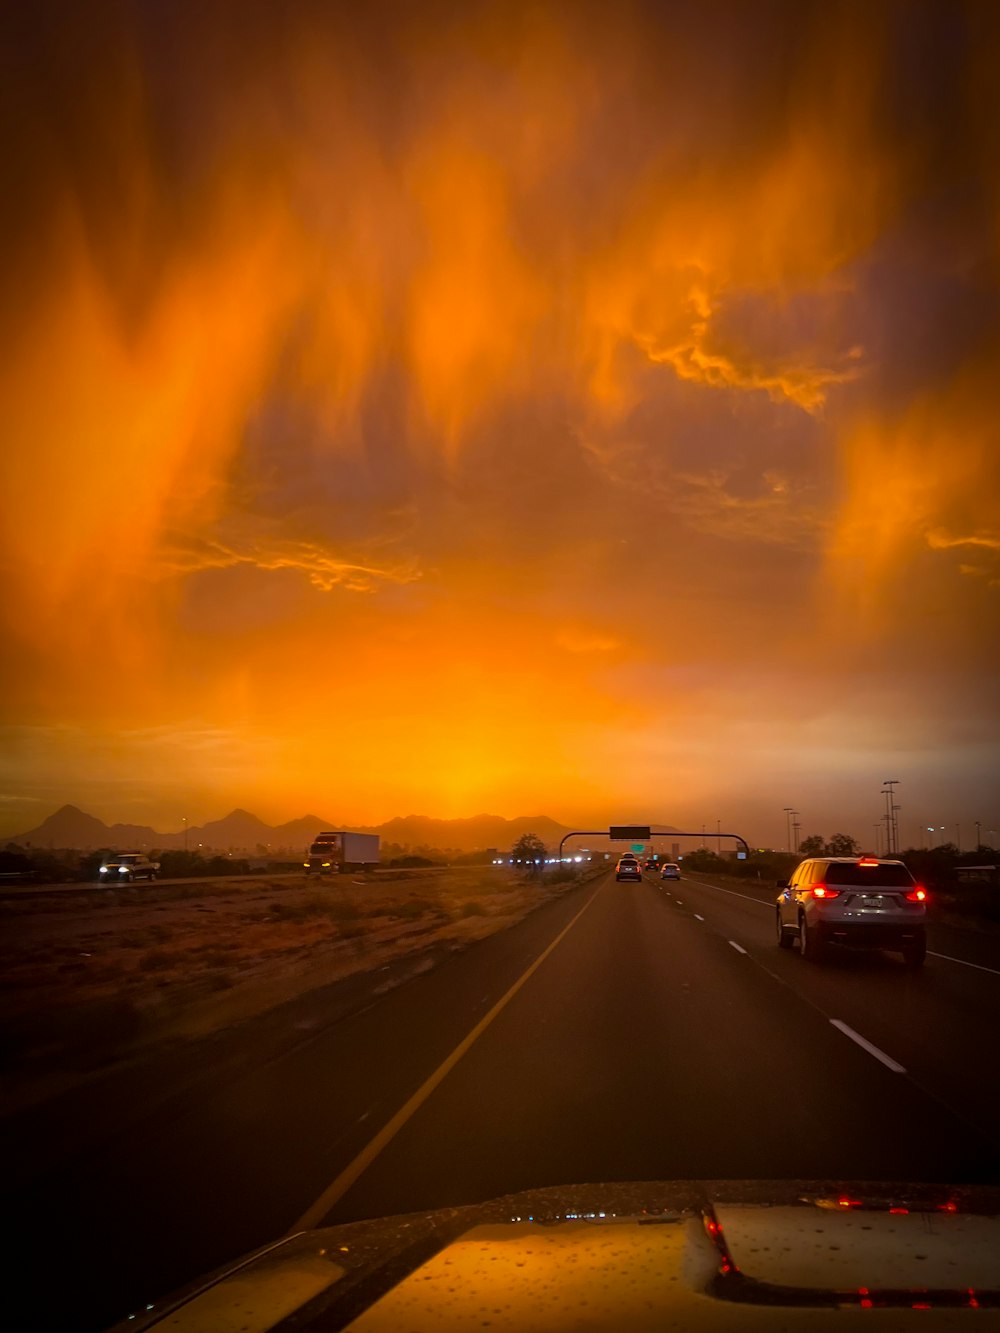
[(336, 853)]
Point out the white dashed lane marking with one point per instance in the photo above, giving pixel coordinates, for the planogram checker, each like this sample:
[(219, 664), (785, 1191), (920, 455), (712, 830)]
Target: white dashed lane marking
[(866, 1045)]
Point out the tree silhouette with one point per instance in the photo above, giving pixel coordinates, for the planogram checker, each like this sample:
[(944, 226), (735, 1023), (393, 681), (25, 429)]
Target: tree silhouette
[(842, 844), (529, 848)]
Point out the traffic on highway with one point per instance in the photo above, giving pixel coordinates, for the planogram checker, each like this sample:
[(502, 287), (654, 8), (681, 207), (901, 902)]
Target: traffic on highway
[(640, 1048), (430, 428)]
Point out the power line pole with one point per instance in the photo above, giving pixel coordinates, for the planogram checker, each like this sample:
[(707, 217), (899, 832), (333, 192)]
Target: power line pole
[(788, 827)]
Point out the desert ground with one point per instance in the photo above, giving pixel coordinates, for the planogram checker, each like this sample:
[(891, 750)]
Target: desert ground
[(92, 977)]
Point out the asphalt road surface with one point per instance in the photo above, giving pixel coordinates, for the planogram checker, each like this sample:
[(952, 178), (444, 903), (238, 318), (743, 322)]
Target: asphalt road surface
[(625, 1032)]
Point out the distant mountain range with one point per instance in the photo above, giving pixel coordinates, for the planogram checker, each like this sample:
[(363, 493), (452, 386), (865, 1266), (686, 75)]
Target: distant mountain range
[(242, 831)]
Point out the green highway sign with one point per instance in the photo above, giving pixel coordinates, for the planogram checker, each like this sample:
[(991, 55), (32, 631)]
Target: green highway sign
[(638, 847)]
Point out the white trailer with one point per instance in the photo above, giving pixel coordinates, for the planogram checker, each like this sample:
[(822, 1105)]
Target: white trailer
[(335, 853)]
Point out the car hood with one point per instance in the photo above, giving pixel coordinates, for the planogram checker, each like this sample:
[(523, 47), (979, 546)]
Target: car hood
[(688, 1255)]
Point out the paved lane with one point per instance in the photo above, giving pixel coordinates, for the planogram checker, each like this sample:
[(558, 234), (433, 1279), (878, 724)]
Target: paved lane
[(654, 1045), (649, 1031), (225, 1157), (937, 1023)]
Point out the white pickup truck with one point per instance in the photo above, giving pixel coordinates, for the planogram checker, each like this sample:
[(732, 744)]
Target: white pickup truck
[(127, 866)]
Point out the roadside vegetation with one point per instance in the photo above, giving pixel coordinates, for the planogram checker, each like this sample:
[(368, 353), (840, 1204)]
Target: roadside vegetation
[(88, 975), (963, 883)]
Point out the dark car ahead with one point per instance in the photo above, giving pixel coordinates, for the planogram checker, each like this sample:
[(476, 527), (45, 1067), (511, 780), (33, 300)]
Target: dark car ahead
[(628, 868), (864, 902)]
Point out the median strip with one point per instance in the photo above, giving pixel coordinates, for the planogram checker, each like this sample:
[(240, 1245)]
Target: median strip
[(866, 1045)]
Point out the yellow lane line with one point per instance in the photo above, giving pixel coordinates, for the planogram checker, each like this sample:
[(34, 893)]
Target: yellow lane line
[(339, 1187)]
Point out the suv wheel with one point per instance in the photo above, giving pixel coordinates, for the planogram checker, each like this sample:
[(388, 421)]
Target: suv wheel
[(810, 944), (915, 952), (784, 938)]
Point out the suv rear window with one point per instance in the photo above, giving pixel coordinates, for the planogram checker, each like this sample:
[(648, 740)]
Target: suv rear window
[(883, 877)]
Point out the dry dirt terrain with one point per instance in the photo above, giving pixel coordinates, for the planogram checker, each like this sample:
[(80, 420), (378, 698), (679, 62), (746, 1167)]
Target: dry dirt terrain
[(93, 978)]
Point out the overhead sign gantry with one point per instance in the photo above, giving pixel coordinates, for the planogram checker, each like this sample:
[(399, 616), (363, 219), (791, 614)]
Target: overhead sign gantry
[(643, 833)]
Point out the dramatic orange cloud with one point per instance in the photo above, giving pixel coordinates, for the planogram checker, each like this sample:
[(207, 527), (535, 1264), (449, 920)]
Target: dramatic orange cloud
[(576, 408)]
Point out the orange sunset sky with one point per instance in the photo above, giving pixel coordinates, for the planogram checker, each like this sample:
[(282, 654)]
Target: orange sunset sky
[(575, 408)]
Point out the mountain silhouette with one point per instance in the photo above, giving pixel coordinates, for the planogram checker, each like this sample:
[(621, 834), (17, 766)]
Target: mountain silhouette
[(241, 831)]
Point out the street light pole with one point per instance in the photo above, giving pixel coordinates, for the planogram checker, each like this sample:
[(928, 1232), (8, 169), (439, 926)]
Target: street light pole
[(795, 830), (890, 815)]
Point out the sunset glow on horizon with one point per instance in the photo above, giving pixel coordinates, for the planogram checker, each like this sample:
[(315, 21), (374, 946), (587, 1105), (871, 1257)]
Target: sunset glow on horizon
[(572, 409)]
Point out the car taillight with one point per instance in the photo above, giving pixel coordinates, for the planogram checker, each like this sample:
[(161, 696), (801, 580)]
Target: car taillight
[(821, 891), (916, 895)]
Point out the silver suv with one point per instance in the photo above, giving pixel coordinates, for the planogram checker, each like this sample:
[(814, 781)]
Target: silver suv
[(128, 866), (860, 901)]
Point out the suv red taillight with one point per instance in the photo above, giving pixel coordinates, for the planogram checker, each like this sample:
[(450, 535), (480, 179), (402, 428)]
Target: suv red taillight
[(918, 894), (822, 891)]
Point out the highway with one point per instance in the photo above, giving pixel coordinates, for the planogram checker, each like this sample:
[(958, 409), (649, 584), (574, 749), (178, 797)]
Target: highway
[(623, 1032), (12, 886)]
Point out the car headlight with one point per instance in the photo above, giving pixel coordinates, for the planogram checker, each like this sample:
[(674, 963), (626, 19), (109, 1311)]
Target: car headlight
[(104, 870), (123, 870)]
